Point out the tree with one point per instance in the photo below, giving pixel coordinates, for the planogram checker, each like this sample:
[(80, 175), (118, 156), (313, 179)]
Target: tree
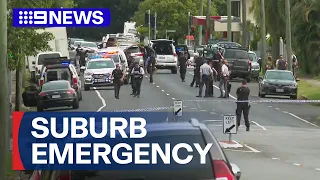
[(171, 14)]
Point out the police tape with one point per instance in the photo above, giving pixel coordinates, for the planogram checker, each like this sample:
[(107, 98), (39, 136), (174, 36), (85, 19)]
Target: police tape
[(256, 101), (144, 109)]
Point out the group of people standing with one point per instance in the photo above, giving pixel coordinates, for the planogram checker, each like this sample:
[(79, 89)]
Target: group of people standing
[(282, 64)]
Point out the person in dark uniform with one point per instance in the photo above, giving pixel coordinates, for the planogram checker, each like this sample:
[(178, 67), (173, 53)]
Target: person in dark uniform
[(151, 62), (243, 93), (183, 65), (83, 55), (137, 73), (196, 72), (132, 65), (117, 81)]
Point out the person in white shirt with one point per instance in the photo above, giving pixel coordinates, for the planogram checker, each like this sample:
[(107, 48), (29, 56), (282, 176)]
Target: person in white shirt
[(137, 73), (224, 80), (206, 73)]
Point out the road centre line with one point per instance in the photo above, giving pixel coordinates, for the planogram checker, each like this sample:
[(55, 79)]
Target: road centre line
[(259, 125), (317, 169), (252, 149), (104, 104)]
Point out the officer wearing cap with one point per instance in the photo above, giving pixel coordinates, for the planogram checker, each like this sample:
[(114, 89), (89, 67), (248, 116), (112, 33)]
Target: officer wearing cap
[(137, 73), (243, 93)]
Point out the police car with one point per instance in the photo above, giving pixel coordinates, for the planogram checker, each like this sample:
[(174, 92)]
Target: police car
[(98, 73), (54, 69)]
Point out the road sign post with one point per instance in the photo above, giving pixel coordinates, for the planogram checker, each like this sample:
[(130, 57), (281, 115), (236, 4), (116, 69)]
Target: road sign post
[(177, 109), (230, 125)]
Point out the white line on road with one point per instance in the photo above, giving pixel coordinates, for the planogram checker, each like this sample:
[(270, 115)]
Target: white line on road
[(153, 83), (158, 86), (237, 150), (252, 149), (203, 110), (296, 164), (213, 113), (193, 108), (102, 100), (173, 98), (162, 90), (212, 121), (224, 91), (275, 158), (317, 169), (269, 106), (302, 119), (259, 125), (168, 94), (285, 112)]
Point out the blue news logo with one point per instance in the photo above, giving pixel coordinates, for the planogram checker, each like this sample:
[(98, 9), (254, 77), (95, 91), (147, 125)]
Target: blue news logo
[(56, 17)]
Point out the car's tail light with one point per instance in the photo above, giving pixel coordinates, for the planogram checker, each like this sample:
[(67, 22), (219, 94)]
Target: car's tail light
[(139, 54), (41, 82), (71, 91), (175, 54), (42, 94), (249, 65), (64, 177), (75, 83), (222, 171)]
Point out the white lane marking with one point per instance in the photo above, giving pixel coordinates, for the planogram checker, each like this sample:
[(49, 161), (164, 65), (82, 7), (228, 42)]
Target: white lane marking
[(224, 91), (269, 106), (237, 150), (158, 86), (168, 94), (193, 108), (259, 125), (317, 169), (276, 108), (215, 125), (285, 112), (252, 149), (213, 113), (203, 110), (173, 98), (275, 158), (198, 105), (102, 100), (162, 90), (296, 164), (184, 106), (302, 119), (153, 83), (146, 76), (212, 121)]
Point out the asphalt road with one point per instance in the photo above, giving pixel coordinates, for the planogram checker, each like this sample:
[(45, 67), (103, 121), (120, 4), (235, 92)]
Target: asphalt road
[(281, 144)]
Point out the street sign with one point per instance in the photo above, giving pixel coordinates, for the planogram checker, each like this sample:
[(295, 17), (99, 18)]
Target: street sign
[(171, 31), (177, 107), (230, 124)]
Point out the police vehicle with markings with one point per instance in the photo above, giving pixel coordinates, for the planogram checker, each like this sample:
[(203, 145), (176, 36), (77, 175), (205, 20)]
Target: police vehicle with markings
[(98, 73)]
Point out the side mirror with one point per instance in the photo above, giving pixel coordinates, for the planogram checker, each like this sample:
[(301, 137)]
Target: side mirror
[(33, 62), (260, 78), (236, 171), (30, 96)]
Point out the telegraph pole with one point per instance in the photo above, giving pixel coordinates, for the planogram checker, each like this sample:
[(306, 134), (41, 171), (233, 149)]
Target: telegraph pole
[(4, 104), (149, 23), (229, 20), (200, 27), (155, 25), (244, 24), (288, 35), (189, 24), (263, 36), (208, 21)]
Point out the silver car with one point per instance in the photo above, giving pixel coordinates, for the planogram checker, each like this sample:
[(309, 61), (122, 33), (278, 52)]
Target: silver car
[(254, 64)]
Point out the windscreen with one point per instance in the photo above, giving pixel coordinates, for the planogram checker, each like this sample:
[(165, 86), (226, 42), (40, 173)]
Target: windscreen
[(280, 75), (192, 170), (72, 40), (56, 85), (236, 54), (42, 57), (77, 43), (163, 50), (100, 64), (133, 50), (253, 57), (86, 44)]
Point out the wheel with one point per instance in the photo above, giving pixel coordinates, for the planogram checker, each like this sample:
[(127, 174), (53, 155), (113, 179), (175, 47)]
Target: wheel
[(248, 79), (174, 71), (261, 95), (39, 108), (75, 104), (293, 97), (86, 87), (80, 95)]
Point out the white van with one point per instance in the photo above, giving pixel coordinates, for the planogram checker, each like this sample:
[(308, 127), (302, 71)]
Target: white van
[(39, 61)]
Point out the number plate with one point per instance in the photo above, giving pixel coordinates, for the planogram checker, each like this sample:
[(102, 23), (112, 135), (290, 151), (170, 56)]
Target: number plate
[(279, 90), (100, 80), (55, 96), (162, 57)]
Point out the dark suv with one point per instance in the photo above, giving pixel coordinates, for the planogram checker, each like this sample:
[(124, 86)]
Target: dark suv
[(217, 165), (239, 63)]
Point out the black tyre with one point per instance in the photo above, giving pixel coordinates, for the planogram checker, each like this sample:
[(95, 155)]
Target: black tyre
[(174, 71), (80, 96), (86, 88), (76, 104), (293, 97), (39, 108)]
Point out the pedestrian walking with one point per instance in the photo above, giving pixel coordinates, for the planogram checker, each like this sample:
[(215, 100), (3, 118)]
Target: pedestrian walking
[(243, 93), (281, 64), (183, 65), (224, 80), (199, 61), (205, 73), (117, 80), (138, 73)]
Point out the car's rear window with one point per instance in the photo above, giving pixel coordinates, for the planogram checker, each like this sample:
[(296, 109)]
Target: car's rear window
[(193, 170), (163, 50), (42, 57), (236, 54), (56, 85), (133, 50), (58, 74)]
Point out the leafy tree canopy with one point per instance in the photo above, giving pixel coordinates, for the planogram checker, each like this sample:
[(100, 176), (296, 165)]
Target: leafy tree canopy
[(171, 14)]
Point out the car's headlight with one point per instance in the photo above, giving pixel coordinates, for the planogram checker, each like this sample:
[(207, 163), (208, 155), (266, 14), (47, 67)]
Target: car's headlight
[(293, 85), (88, 73), (264, 83)]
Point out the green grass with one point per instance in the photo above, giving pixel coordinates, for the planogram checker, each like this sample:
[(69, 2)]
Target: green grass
[(308, 91), (11, 172)]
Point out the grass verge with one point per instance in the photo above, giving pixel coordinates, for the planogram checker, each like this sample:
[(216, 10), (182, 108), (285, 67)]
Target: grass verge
[(308, 91), (11, 173)]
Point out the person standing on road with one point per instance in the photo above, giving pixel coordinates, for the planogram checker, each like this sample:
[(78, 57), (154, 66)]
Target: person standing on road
[(138, 73), (294, 64), (205, 73), (224, 79), (151, 62), (243, 93), (183, 65), (212, 79), (132, 65), (117, 80), (196, 72), (281, 64)]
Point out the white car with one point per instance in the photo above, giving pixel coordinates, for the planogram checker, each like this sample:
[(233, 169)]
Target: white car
[(98, 73), (89, 46)]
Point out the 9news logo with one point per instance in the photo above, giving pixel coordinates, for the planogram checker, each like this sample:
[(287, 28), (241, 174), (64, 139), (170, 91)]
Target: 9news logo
[(61, 17)]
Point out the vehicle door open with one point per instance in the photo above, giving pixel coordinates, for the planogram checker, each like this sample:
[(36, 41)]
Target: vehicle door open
[(30, 96)]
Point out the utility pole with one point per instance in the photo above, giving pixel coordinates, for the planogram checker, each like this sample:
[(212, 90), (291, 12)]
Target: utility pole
[(288, 35), (149, 24), (200, 27), (263, 35), (244, 24), (155, 25), (189, 24), (208, 21), (229, 20), (4, 104)]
